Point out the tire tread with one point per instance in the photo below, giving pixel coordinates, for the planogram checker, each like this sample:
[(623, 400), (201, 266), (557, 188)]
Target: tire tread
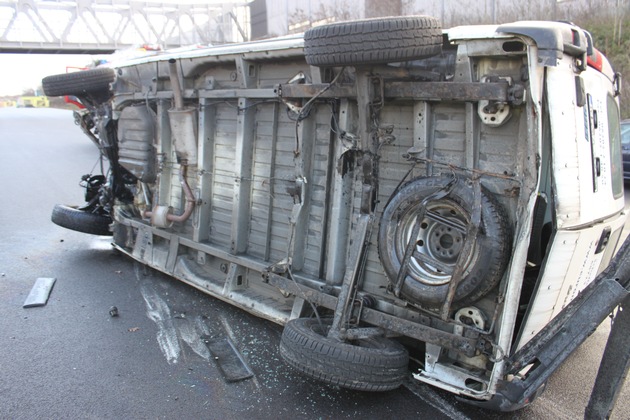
[(81, 221), (79, 83), (381, 367), (372, 41)]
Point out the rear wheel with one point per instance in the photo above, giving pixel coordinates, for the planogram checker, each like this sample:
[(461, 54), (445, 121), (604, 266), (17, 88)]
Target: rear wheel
[(373, 41), (81, 221), (374, 364)]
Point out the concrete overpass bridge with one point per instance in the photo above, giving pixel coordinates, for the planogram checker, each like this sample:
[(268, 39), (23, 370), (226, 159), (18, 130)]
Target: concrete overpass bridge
[(103, 26)]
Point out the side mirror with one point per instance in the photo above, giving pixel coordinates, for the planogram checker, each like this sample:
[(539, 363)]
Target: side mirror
[(617, 84)]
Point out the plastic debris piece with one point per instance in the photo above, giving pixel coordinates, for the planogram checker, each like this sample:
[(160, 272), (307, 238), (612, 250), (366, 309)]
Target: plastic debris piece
[(113, 311), (230, 362), (40, 292)]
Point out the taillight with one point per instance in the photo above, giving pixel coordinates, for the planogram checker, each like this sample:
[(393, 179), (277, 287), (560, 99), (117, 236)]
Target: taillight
[(595, 60)]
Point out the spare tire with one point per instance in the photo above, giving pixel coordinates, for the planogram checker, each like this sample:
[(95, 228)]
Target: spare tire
[(372, 41), (440, 241), (81, 83), (373, 364), (81, 221)]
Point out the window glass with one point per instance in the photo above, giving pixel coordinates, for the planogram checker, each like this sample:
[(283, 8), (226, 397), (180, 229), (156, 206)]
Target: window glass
[(625, 133), (614, 138)]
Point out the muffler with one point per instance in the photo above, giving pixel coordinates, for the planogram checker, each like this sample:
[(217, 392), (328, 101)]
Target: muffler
[(183, 121)]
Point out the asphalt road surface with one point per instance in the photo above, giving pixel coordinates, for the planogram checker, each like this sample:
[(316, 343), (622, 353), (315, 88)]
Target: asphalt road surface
[(71, 359)]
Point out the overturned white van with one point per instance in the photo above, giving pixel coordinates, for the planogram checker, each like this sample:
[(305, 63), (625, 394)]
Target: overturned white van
[(405, 200)]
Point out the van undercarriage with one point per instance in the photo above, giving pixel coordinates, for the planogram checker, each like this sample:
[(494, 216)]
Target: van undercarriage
[(400, 198)]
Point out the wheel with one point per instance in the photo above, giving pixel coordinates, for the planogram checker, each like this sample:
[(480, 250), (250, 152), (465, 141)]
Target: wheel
[(371, 41), (93, 81), (440, 241), (81, 221), (374, 364)]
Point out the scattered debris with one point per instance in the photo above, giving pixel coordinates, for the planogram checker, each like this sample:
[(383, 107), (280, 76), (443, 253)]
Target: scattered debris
[(40, 292), (113, 311), (231, 363), (134, 329)]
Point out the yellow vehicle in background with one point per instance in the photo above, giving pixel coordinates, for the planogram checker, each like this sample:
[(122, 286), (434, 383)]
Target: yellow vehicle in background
[(33, 102)]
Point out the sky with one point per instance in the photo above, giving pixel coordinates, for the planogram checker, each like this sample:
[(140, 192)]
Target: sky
[(25, 71), (20, 72)]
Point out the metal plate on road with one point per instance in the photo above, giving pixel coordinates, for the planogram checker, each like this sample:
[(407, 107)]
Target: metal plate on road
[(228, 359), (40, 292)]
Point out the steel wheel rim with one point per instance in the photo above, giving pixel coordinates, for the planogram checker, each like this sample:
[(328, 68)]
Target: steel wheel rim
[(435, 241)]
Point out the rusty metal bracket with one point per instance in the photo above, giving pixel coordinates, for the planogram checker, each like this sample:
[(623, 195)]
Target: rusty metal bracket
[(471, 238), (294, 91), (357, 252), (467, 344), (363, 333), (453, 91), (422, 91)]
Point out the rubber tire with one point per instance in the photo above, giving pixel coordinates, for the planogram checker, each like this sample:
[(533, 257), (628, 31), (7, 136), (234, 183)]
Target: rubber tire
[(81, 221), (372, 41), (375, 364), (491, 251), (86, 82)]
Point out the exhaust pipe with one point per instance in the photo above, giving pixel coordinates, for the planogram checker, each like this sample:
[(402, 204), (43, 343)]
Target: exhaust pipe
[(161, 216)]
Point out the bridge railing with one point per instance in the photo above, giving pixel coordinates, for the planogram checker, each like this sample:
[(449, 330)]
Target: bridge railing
[(103, 26)]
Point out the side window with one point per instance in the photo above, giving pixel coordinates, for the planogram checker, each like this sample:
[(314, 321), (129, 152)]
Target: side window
[(614, 139)]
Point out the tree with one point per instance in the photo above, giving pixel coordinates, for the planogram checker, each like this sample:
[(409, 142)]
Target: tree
[(300, 21)]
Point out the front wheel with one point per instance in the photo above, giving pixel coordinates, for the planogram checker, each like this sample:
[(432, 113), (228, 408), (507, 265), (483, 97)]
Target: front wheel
[(81, 221), (374, 364)]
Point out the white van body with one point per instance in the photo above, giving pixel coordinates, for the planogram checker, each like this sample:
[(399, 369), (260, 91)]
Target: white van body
[(456, 202)]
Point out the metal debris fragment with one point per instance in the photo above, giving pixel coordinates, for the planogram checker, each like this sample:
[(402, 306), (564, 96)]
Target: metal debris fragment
[(229, 360), (40, 292)]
